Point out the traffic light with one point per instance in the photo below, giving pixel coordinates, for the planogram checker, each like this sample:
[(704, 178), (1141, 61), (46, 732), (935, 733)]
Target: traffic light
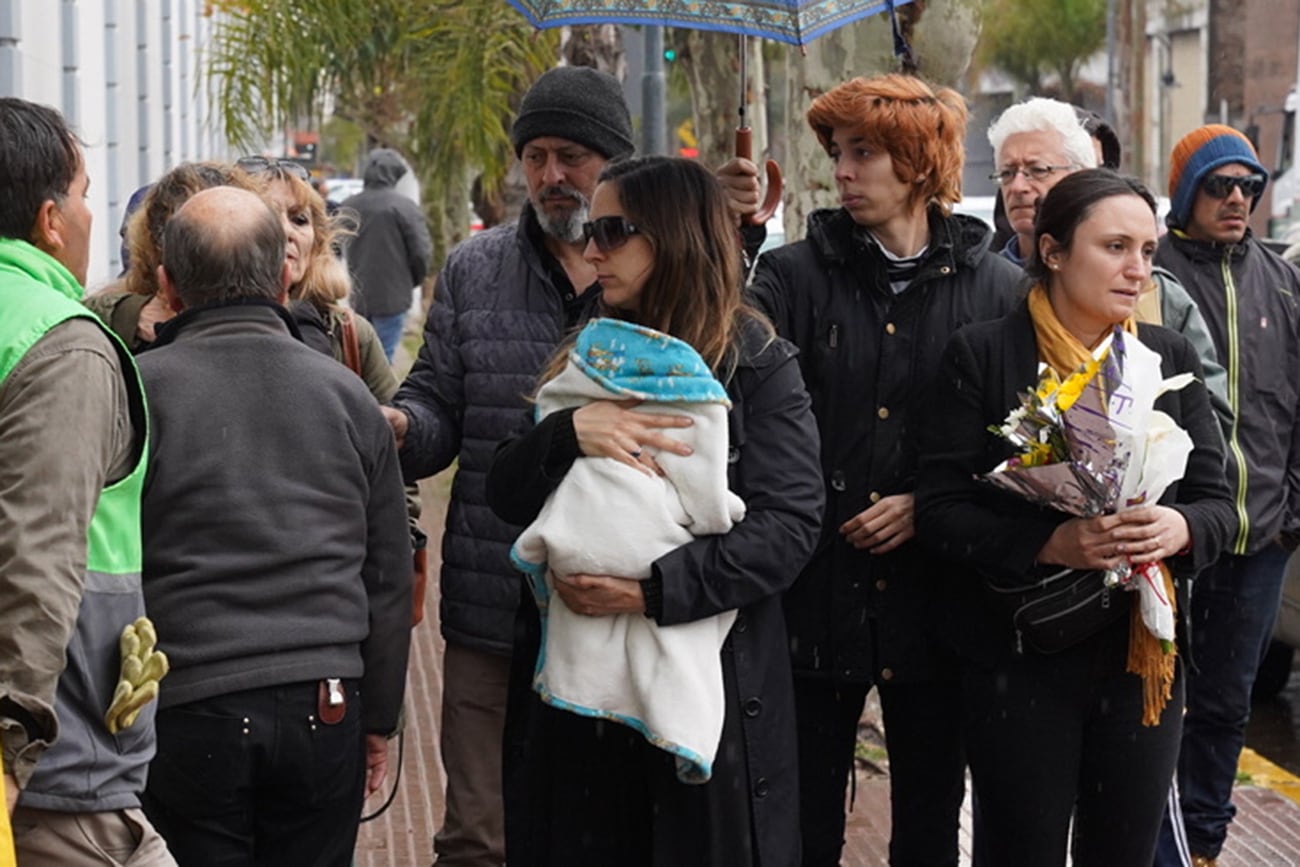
[(670, 54)]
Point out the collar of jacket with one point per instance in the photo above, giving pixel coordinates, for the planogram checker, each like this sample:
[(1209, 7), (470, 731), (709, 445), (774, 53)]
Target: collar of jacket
[(262, 311), (19, 255), (957, 240), (1209, 251)]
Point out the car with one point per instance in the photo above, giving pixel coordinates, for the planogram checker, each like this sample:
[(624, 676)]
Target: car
[(340, 189), (1279, 660)]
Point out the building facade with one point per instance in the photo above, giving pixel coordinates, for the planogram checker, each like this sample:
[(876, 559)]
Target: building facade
[(126, 75)]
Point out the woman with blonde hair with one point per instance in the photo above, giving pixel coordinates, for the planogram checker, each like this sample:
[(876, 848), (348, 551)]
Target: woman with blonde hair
[(319, 280), (588, 790)]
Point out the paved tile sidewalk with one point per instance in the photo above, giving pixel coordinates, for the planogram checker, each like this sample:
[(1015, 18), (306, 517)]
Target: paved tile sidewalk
[(1265, 833)]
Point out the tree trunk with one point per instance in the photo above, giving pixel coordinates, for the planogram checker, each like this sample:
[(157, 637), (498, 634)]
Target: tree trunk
[(599, 46), (711, 63), (942, 35)]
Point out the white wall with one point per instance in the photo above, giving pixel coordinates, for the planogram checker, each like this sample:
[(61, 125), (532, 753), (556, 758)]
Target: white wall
[(125, 74)]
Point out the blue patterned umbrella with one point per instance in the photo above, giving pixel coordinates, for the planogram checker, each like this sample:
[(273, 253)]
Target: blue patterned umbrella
[(797, 22)]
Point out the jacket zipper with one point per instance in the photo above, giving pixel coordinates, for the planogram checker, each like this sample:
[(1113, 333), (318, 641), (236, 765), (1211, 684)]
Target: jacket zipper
[(1234, 400)]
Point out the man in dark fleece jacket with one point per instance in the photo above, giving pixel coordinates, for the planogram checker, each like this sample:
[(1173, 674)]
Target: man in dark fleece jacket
[(390, 254), (276, 559)]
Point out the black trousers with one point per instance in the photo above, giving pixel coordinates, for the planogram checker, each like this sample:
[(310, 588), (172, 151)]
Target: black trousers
[(255, 778), (927, 768), (1050, 737)]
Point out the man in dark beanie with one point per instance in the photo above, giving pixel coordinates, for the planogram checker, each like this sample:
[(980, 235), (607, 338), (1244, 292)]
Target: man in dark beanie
[(1247, 295), (503, 301)]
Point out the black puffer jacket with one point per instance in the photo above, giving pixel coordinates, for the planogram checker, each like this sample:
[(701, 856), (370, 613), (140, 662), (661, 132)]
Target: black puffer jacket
[(496, 318), (869, 358)]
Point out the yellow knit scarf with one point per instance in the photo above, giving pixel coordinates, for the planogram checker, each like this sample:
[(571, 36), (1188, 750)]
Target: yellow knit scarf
[(1062, 351)]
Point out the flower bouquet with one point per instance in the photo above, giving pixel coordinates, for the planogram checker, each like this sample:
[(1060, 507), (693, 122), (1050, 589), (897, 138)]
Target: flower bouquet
[(1094, 444)]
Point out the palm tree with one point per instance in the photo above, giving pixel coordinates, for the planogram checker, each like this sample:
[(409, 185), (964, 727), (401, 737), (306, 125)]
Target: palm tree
[(434, 79)]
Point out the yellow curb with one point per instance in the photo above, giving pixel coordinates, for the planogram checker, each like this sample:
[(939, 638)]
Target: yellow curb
[(1264, 773)]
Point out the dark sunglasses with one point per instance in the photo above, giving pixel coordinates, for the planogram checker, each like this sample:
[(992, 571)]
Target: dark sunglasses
[(609, 233), (1220, 186), (256, 165)]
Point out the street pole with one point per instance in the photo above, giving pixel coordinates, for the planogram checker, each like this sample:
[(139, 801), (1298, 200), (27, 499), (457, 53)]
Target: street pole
[(1109, 111), (654, 87)]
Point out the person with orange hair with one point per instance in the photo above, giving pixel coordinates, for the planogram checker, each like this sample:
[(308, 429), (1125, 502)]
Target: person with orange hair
[(871, 297)]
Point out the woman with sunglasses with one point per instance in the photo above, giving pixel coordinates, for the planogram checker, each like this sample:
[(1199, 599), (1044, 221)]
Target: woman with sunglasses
[(1066, 739), (666, 252)]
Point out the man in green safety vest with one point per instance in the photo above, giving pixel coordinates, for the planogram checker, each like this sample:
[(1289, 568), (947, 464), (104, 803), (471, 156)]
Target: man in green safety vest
[(76, 737)]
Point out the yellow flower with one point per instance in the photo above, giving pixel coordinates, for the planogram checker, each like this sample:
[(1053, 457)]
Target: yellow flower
[(1075, 383)]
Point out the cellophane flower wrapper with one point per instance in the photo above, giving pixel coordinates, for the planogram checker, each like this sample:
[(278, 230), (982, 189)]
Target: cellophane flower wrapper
[(1119, 451)]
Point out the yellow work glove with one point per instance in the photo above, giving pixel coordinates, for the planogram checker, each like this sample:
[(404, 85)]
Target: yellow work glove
[(142, 668)]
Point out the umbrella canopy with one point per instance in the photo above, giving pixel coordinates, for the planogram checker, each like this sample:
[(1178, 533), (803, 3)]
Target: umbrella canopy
[(796, 22)]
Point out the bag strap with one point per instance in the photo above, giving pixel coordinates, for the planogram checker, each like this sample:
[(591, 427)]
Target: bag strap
[(351, 345)]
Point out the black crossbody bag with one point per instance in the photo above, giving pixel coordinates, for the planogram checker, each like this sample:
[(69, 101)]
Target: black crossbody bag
[(1061, 609)]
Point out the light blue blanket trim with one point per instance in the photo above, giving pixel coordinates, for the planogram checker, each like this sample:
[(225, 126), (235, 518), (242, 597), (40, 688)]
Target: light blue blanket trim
[(691, 766), (635, 361)]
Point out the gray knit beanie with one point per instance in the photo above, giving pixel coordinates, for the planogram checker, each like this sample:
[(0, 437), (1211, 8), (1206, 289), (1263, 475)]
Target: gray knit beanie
[(581, 104)]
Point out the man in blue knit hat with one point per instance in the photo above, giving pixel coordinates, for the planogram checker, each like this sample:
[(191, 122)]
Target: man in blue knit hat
[(1248, 296)]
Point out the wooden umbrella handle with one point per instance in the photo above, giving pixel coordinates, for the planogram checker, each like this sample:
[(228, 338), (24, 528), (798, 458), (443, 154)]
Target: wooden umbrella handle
[(775, 185)]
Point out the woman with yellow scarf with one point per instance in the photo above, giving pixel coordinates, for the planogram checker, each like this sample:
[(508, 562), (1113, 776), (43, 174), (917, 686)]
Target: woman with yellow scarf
[(1084, 732)]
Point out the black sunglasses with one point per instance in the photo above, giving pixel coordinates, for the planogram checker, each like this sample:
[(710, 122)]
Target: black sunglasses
[(1220, 186), (257, 164), (609, 233)]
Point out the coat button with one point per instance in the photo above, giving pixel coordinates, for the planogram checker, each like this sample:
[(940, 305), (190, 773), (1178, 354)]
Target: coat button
[(741, 623), (753, 707), (874, 496), (889, 328), (838, 482), (946, 269), (883, 412), (882, 584), (733, 455), (886, 674), (760, 787)]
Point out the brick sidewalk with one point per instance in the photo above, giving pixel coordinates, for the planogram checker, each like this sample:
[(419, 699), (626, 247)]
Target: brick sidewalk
[(1266, 831)]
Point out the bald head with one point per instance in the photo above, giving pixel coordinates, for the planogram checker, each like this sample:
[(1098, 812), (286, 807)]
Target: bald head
[(224, 244)]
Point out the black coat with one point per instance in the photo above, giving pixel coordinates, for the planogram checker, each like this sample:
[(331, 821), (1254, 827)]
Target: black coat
[(774, 471), (987, 532), (868, 357)]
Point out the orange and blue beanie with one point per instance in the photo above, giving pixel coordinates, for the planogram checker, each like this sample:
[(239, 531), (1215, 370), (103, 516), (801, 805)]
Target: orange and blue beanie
[(1197, 154)]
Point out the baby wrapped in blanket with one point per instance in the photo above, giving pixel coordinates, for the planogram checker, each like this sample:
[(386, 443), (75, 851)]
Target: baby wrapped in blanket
[(607, 518)]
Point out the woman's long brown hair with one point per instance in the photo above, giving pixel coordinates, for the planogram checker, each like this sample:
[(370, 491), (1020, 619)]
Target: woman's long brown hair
[(694, 291)]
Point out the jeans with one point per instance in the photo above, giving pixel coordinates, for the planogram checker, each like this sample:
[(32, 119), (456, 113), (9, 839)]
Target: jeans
[(826, 720), (927, 771), (1234, 607), (1058, 738), (256, 778), (389, 328)]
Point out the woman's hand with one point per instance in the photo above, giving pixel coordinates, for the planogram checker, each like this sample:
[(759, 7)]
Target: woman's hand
[(598, 595), (153, 313), (1138, 535), (610, 429), (739, 178), (884, 526)]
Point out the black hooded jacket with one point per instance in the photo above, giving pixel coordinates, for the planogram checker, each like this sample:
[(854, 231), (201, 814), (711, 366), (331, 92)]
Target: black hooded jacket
[(391, 251), (869, 358)]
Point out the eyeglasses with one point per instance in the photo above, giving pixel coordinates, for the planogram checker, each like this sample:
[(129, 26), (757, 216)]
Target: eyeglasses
[(609, 233), (1221, 186), (1034, 173), (255, 165)]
